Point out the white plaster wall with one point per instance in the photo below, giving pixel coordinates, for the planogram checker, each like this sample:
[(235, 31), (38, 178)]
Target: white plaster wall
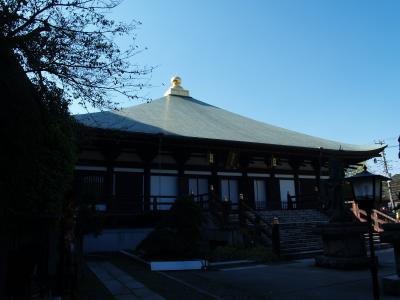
[(114, 240)]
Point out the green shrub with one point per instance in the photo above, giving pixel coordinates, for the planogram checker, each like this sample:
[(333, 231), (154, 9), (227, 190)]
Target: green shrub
[(178, 236)]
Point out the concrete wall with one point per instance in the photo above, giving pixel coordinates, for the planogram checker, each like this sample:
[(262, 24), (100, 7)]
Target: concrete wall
[(114, 240)]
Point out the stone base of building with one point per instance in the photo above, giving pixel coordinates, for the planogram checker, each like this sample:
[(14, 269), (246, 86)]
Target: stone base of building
[(342, 263), (391, 285)]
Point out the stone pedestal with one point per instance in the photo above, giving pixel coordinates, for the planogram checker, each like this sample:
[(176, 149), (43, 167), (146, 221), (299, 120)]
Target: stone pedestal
[(391, 234), (344, 246), (391, 285)]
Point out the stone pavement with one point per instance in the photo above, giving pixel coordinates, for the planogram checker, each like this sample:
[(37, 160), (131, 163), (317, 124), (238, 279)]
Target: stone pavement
[(295, 280), (120, 284)]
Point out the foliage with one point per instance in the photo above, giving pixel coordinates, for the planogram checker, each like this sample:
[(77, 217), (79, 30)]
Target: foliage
[(37, 162), (258, 253), (178, 236), (57, 152), (39, 151), (87, 221), (71, 44)]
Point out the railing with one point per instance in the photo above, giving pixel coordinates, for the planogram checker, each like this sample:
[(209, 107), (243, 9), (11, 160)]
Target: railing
[(378, 217), (249, 215), (220, 210), (164, 202), (304, 201), (161, 203), (269, 233), (202, 200)]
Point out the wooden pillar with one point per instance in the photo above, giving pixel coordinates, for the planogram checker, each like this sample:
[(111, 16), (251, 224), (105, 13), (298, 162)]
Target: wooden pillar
[(295, 165), (147, 154), (214, 176), (109, 184), (245, 181), (146, 187), (181, 157), (274, 198), (214, 183), (110, 153), (317, 169)]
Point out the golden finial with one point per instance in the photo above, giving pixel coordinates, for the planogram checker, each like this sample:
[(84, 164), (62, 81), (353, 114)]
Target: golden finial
[(176, 89), (176, 81)]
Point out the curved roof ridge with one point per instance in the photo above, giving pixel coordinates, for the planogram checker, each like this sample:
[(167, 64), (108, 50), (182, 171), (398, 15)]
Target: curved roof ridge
[(188, 117)]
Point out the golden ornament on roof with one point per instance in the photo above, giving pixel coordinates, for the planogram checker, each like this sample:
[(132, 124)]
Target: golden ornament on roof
[(176, 81)]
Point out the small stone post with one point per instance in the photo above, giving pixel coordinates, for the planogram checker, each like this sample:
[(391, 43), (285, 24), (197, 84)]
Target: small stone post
[(276, 243), (391, 234)]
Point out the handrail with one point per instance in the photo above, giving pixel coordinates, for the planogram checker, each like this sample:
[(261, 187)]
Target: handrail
[(378, 217), (266, 228), (386, 216), (155, 201), (314, 195), (256, 213), (270, 231)]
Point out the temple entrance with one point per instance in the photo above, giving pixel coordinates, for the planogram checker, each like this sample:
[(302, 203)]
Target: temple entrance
[(287, 187), (260, 194), (230, 192)]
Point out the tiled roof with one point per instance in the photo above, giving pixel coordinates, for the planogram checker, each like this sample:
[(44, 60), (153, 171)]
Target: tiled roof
[(174, 115)]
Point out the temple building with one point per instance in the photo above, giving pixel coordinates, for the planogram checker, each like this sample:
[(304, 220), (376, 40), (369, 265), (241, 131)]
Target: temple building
[(136, 161)]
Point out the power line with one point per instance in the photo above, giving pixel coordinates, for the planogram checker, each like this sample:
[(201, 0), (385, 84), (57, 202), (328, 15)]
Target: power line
[(390, 138), (386, 170)]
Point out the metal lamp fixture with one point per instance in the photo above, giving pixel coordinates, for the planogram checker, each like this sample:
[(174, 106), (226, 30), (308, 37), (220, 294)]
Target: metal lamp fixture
[(367, 190)]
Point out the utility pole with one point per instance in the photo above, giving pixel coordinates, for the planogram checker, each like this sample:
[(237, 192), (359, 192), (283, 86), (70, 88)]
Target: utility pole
[(386, 170)]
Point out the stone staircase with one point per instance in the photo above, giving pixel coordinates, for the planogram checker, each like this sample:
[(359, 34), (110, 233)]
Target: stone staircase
[(377, 242), (295, 216), (216, 232), (298, 238)]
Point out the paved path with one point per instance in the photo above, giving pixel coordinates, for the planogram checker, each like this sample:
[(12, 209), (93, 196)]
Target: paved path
[(120, 284), (295, 280)]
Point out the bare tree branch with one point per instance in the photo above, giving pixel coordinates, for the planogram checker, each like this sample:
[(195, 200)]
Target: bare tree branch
[(70, 44)]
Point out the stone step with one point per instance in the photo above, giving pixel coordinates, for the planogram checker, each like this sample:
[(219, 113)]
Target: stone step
[(295, 216), (302, 254), (301, 241), (289, 251), (296, 248), (284, 235), (297, 231)]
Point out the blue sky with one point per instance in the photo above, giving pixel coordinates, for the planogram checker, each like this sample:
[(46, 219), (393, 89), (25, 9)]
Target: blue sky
[(325, 68)]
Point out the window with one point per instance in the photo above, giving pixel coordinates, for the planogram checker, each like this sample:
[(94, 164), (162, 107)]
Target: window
[(198, 187), (128, 190), (90, 187), (287, 187), (230, 191), (260, 194), (163, 190)]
